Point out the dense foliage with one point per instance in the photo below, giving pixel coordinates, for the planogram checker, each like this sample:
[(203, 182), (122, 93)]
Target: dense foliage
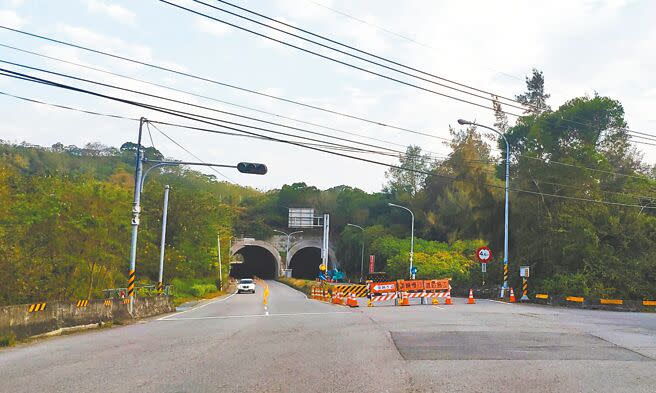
[(65, 211)]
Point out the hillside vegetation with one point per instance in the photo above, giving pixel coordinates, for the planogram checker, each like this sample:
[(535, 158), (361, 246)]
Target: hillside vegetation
[(65, 211)]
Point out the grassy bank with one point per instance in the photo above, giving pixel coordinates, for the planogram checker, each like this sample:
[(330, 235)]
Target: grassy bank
[(304, 286), (186, 290)]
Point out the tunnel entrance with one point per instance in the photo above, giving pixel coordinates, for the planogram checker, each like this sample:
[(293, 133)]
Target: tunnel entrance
[(258, 261), (305, 263)]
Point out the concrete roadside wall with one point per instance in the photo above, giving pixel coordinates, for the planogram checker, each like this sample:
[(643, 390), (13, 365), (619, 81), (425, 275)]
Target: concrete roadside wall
[(61, 314)]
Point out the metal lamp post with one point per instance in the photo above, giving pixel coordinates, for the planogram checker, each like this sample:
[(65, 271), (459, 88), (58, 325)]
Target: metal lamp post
[(289, 235), (505, 235), (361, 251), (412, 235)]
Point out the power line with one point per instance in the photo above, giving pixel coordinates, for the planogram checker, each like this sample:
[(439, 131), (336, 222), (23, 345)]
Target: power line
[(191, 154), (219, 83), (211, 98), (337, 60), (193, 117), (402, 36), (361, 51), (208, 80), (350, 54), (192, 105), (137, 92)]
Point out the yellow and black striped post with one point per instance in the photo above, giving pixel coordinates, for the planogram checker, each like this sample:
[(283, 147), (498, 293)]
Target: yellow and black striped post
[(524, 289), (160, 286), (505, 273), (131, 284)]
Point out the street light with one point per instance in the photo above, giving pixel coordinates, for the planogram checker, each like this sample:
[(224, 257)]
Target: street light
[(289, 235), (412, 235), (362, 250), (505, 235)]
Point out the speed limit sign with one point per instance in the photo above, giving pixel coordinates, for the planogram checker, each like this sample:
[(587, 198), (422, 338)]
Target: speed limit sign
[(484, 254)]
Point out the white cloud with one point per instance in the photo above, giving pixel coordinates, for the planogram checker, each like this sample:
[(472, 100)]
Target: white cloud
[(11, 19), (114, 11), (15, 3), (209, 26)]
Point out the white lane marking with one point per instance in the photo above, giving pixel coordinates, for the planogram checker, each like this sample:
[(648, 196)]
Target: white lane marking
[(439, 307), (256, 315), (497, 301), (267, 313), (196, 308)]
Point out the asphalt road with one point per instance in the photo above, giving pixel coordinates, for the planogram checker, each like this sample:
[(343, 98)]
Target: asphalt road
[(236, 344)]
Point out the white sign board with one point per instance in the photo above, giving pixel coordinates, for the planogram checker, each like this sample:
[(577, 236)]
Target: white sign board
[(483, 267), (301, 217), (523, 271)]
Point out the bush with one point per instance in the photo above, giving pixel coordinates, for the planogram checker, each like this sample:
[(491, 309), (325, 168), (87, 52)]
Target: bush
[(7, 340), (199, 290)]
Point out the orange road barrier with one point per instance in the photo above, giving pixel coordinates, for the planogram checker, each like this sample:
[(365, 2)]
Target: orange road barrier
[(126, 300), (512, 296), (352, 301), (382, 298), (611, 301), (471, 297), (107, 303), (649, 302), (574, 299), (448, 299), (541, 296), (404, 299)]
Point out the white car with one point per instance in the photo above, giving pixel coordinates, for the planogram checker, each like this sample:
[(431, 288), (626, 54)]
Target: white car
[(246, 285)]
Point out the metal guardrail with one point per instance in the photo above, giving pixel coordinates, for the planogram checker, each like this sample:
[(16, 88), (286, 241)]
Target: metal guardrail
[(146, 290)]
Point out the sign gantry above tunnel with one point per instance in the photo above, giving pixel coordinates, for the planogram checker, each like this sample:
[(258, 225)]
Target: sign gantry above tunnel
[(305, 217)]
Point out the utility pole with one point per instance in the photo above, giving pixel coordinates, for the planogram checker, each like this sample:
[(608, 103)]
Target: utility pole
[(160, 282), (504, 288), (218, 246), (412, 235), (136, 210), (361, 250)]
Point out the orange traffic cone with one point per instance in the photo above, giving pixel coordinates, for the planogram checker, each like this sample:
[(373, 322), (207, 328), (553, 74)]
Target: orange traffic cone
[(352, 301), (404, 300), (471, 297), (512, 296), (448, 299)]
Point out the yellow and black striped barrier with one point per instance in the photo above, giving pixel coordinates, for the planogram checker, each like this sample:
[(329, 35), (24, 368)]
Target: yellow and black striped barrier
[(131, 277), (356, 289), (107, 303), (36, 307), (611, 301), (82, 303)]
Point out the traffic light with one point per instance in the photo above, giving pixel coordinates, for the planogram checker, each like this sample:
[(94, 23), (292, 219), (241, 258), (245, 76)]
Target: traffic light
[(251, 167)]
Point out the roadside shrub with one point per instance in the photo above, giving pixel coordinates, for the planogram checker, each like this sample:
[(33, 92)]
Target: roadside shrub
[(7, 340)]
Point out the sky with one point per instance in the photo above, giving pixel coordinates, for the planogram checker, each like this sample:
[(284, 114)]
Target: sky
[(582, 47)]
